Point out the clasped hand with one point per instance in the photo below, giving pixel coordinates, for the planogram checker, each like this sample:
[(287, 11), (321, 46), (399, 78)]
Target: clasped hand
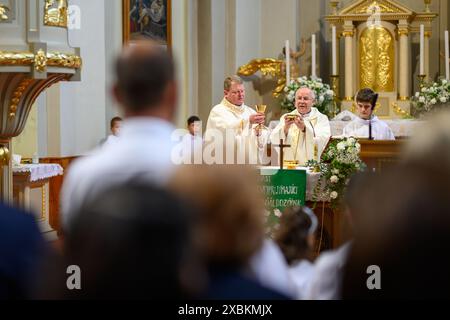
[(258, 118)]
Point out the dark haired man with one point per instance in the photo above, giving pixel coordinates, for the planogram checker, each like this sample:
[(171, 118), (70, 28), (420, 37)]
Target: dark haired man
[(367, 125), (146, 90)]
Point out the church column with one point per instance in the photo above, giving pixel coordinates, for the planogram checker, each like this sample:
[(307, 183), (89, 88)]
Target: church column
[(349, 32), (403, 85)]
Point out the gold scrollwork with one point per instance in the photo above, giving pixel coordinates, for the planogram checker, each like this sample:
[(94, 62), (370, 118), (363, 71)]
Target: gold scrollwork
[(374, 6), (17, 95), (40, 61), (55, 13), (377, 59), (59, 59), (54, 59), (3, 15)]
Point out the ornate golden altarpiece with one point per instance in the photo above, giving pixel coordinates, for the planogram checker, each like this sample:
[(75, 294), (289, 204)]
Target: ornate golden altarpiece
[(377, 36)]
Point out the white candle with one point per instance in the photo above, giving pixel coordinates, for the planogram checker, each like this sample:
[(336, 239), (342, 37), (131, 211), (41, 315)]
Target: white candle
[(447, 56), (288, 63), (333, 51), (313, 56), (422, 49)]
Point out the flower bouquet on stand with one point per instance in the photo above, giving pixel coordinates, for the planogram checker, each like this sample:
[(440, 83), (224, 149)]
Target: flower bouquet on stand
[(339, 162)]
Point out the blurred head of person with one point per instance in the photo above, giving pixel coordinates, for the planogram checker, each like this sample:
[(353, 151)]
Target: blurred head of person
[(145, 81), (430, 144), (234, 90), (231, 211), (116, 126), (296, 234), (132, 242), (406, 235), (194, 125), (366, 100)]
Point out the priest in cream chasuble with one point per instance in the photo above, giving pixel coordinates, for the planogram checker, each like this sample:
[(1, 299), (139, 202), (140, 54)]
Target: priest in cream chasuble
[(233, 126), (305, 129)]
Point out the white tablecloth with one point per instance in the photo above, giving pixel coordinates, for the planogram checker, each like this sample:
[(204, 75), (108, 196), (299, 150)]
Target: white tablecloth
[(400, 128), (39, 171)]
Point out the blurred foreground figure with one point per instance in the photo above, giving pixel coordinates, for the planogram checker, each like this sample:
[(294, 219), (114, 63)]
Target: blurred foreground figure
[(230, 229), (22, 249), (405, 251), (296, 237), (132, 242), (146, 91)]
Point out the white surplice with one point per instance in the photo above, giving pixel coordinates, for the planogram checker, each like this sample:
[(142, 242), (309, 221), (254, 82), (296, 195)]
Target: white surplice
[(307, 145), (359, 128), (236, 132)]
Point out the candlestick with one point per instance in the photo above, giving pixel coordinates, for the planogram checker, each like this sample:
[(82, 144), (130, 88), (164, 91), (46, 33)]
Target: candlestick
[(422, 48), (313, 56), (447, 56), (288, 63), (333, 50)]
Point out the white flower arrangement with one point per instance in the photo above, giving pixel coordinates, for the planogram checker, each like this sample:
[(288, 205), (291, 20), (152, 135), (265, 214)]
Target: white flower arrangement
[(431, 95), (339, 162), (324, 94)]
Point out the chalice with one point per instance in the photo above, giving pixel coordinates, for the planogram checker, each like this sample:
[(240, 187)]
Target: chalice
[(261, 108)]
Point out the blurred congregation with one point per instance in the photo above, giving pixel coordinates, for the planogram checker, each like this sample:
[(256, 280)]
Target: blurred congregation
[(137, 226)]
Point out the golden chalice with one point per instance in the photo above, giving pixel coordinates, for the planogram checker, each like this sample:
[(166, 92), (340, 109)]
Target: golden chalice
[(261, 108)]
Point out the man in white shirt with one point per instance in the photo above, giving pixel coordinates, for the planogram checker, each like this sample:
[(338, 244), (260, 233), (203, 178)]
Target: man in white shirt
[(146, 90), (232, 118), (305, 129), (367, 125)]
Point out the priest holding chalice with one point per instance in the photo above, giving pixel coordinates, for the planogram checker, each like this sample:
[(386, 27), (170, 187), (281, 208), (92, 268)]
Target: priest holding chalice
[(305, 129)]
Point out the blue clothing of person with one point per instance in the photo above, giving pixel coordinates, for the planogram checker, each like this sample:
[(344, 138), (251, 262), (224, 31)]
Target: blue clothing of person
[(21, 249)]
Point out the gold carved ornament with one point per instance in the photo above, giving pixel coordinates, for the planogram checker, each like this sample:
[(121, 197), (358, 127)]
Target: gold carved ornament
[(3, 15), (55, 13), (40, 61), (275, 68), (53, 59), (17, 95), (267, 66), (377, 59), (375, 6)]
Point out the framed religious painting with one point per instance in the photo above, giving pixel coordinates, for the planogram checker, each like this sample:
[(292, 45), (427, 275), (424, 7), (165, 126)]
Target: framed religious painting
[(147, 20)]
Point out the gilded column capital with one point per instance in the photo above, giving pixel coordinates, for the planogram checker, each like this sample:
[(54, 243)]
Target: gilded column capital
[(348, 33), (403, 31), (427, 34)]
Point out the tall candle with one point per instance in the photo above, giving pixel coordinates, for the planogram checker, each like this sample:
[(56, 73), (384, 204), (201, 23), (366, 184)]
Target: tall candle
[(447, 56), (288, 63), (313, 56), (333, 51), (422, 49)]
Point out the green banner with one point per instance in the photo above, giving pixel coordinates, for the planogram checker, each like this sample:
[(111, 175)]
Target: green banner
[(283, 188)]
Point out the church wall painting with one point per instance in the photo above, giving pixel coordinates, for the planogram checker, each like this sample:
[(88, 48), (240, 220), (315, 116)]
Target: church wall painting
[(147, 20)]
